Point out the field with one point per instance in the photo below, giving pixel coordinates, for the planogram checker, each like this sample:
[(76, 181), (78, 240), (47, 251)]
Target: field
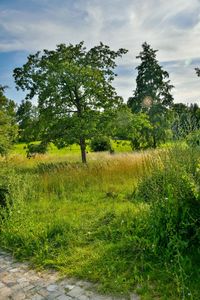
[(118, 146), (128, 221)]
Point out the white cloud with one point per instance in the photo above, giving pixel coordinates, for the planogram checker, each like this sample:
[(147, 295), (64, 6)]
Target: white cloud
[(174, 29)]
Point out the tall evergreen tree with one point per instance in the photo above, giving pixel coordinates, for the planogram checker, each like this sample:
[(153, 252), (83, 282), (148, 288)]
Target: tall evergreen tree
[(152, 94), (152, 83)]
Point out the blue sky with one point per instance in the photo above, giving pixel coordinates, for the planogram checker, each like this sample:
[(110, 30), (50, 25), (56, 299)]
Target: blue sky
[(27, 26)]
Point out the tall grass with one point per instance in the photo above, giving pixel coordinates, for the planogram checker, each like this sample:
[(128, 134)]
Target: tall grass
[(126, 221)]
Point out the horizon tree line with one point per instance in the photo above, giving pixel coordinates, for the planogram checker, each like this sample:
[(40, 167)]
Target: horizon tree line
[(77, 102)]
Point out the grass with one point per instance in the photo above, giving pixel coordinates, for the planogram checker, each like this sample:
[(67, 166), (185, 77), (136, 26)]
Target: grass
[(117, 145), (93, 222)]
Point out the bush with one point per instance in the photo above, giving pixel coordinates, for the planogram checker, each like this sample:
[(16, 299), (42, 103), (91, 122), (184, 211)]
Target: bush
[(7, 180), (173, 196), (34, 149), (4, 192), (100, 143), (193, 139)]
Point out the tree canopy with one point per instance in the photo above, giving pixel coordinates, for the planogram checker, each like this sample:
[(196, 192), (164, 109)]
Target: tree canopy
[(133, 127), (27, 119), (73, 87)]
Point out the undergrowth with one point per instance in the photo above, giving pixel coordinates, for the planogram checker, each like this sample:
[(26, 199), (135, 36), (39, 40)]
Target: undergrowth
[(129, 222)]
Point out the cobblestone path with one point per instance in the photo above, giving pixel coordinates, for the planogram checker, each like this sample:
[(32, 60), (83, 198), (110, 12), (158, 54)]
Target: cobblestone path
[(18, 282)]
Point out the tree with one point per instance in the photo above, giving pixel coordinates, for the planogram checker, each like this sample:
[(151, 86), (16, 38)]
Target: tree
[(152, 83), (73, 87), (8, 128), (161, 120), (7, 106), (153, 92), (133, 127), (186, 119), (27, 118)]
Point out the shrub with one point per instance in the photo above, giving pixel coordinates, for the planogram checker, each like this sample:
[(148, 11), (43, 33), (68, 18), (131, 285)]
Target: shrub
[(4, 192), (34, 149), (193, 139), (173, 196), (7, 181), (100, 143)]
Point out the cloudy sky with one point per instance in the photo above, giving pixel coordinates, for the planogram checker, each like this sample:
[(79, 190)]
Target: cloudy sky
[(27, 26)]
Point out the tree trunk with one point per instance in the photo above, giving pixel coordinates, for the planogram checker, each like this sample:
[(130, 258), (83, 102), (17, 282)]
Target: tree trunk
[(154, 141), (83, 150)]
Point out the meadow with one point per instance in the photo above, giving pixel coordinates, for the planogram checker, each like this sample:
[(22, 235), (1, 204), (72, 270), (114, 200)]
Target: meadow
[(128, 221)]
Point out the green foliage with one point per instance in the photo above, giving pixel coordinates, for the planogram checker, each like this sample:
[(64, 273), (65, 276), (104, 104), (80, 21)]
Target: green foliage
[(152, 84), (172, 191), (8, 128), (6, 105), (4, 192), (135, 128), (193, 138), (140, 136), (175, 208), (153, 95), (186, 119), (73, 86), (8, 133), (33, 149), (100, 143), (160, 119), (27, 118), (121, 125)]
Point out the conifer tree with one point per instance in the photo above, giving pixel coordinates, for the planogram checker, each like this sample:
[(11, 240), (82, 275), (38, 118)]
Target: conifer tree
[(152, 83), (152, 94)]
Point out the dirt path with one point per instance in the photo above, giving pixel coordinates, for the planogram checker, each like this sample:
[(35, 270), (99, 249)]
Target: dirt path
[(18, 281)]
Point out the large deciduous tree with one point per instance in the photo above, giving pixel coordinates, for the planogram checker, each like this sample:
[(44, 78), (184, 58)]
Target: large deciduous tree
[(73, 87), (153, 92)]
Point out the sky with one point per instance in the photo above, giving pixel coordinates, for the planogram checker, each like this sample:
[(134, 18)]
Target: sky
[(173, 28)]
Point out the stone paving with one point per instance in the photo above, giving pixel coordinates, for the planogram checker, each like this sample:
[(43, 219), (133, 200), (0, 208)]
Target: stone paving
[(19, 282)]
